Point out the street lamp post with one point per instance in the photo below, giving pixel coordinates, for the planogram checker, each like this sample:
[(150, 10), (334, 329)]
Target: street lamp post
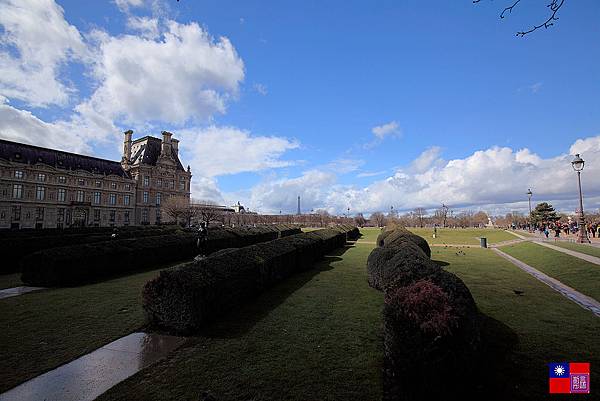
[(529, 194), (582, 236)]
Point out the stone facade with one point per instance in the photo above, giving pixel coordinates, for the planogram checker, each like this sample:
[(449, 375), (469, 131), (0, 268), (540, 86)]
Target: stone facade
[(45, 188)]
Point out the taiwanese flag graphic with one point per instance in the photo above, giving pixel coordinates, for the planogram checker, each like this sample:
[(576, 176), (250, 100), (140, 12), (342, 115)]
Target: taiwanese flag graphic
[(569, 377)]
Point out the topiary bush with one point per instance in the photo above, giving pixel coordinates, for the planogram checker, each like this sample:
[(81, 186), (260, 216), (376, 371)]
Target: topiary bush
[(184, 298), (431, 335), (96, 258), (394, 234), (400, 264), (431, 323)]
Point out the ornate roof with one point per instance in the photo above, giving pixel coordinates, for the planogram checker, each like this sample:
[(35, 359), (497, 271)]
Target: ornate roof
[(23, 153), (146, 150)]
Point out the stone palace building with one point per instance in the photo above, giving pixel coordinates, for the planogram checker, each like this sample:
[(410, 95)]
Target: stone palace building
[(46, 188)]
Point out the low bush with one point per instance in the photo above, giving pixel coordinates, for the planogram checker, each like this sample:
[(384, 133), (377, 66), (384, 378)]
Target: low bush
[(22, 246), (397, 265), (184, 298), (394, 234), (97, 258), (431, 335), (431, 325)]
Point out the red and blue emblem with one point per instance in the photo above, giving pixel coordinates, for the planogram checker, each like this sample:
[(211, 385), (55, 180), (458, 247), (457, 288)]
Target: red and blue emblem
[(569, 377)]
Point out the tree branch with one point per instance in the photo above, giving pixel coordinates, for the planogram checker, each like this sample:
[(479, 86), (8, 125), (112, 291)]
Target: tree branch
[(554, 7)]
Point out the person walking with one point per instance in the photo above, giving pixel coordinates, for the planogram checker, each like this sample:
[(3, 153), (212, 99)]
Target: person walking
[(201, 238), (546, 232)]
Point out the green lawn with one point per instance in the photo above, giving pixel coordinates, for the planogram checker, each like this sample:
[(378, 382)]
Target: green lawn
[(587, 249), (579, 274), (547, 327), (47, 329), (315, 336), (10, 280), (463, 236)]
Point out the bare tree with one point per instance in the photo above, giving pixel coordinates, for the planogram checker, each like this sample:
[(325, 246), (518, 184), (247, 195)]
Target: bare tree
[(176, 207), (420, 214), (554, 6), (207, 211), (378, 218), (360, 220)]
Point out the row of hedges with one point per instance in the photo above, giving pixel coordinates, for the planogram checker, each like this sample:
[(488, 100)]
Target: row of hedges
[(20, 247), (56, 232), (431, 323), (184, 298), (83, 263)]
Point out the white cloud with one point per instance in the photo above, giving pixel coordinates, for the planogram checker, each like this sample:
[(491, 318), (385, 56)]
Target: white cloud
[(367, 174), (272, 196), (535, 88), (260, 88), (146, 26), (22, 126), (125, 5), (215, 151), (35, 44), (496, 178), (426, 159), (186, 75), (389, 129), (344, 166)]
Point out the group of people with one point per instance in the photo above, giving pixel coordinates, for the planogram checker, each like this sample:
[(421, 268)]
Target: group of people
[(592, 229)]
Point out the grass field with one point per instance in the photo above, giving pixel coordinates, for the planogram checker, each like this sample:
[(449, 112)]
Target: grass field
[(315, 336), (579, 274), (463, 236), (318, 336), (587, 249), (43, 330), (547, 327)]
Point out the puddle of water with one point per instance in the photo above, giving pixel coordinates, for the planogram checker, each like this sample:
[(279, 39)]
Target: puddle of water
[(13, 292), (93, 374)]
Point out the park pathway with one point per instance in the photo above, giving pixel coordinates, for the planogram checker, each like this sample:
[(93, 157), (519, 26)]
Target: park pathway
[(588, 258), (582, 300), (85, 378), (15, 291)]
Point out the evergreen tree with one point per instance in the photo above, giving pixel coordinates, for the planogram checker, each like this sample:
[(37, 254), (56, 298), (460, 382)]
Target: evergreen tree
[(544, 213)]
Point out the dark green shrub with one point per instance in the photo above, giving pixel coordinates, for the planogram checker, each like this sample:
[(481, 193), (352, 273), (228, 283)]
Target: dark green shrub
[(393, 234), (91, 258), (184, 298), (431, 325), (431, 335), (398, 264)]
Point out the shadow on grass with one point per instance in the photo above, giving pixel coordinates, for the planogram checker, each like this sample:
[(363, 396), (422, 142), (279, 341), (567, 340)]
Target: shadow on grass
[(496, 373), (237, 323), (441, 263)]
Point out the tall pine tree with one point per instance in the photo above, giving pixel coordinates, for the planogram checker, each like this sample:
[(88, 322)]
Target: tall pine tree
[(543, 213)]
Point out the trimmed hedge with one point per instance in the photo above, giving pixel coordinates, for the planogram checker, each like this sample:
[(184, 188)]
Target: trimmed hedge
[(398, 265), (22, 246), (94, 260), (184, 298), (431, 324), (431, 334), (394, 234)]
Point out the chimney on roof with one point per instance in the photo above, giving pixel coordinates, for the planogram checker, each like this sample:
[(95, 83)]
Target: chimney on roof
[(175, 146), (166, 144), (127, 146)]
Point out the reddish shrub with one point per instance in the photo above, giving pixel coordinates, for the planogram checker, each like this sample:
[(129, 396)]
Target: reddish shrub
[(426, 304)]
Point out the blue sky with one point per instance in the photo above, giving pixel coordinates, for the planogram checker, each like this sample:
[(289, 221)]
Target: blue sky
[(468, 113)]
